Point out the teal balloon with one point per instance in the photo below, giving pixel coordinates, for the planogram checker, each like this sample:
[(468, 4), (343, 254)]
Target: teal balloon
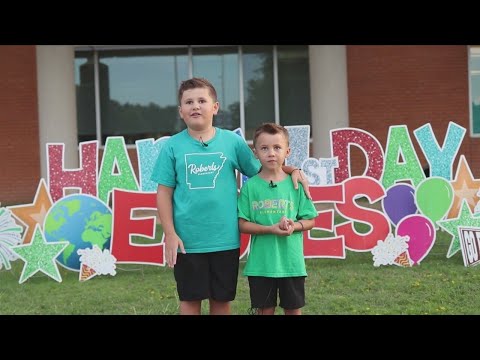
[(434, 197)]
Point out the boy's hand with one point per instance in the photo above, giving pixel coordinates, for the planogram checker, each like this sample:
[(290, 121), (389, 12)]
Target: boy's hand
[(283, 223), (286, 223), (299, 176), (172, 242), (283, 228)]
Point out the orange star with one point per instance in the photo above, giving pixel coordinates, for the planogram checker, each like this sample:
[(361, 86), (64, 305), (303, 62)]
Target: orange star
[(34, 213), (464, 187)]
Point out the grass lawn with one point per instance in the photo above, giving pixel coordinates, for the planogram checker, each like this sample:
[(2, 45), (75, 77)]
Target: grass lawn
[(351, 286)]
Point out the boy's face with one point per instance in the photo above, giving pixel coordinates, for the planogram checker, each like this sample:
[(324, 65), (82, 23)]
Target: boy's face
[(271, 150), (197, 108)]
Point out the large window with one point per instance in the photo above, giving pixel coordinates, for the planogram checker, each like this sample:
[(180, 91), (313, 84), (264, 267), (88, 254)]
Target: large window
[(293, 74), (132, 91), (474, 69)]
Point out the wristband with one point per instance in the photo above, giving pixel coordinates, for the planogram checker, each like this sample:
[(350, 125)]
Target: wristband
[(301, 224)]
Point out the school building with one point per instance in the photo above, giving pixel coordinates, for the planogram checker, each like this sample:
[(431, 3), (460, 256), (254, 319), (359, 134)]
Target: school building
[(71, 94)]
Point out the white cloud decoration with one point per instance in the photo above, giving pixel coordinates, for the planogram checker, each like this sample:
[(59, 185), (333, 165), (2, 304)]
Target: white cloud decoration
[(95, 262), (392, 251), (9, 236)]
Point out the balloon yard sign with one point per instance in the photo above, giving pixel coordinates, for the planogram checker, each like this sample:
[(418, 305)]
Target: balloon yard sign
[(90, 231)]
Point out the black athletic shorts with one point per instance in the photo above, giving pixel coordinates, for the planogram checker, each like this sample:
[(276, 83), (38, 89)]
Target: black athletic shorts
[(211, 275), (263, 292)]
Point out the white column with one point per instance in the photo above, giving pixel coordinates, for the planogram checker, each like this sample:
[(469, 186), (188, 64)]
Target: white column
[(329, 94), (57, 102)]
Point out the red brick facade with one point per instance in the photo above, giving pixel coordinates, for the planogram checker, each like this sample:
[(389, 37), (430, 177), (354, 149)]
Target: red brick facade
[(387, 85), (19, 145), (411, 85)]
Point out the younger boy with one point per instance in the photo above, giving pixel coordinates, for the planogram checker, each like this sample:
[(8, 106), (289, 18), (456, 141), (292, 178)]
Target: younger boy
[(276, 214)]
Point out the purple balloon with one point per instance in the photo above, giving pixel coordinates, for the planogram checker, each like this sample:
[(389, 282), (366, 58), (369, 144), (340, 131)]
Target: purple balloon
[(399, 202)]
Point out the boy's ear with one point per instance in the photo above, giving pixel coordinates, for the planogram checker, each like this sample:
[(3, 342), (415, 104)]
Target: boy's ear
[(255, 153), (287, 153)]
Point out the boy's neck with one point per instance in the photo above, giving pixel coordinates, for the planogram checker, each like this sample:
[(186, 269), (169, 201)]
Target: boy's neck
[(205, 134), (273, 174)]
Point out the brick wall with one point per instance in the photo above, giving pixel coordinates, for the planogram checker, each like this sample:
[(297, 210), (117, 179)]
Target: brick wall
[(388, 85), (411, 85), (19, 139)]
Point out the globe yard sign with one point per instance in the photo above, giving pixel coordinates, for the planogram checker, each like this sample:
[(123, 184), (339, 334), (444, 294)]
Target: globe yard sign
[(90, 231)]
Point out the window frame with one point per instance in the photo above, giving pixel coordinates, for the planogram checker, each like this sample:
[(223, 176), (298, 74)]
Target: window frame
[(95, 49), (470, 95)]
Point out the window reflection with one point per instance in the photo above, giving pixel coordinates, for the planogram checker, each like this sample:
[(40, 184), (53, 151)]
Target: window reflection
[(143, 93), (220, 66), (258, 87), (294, 85), (138, 88)]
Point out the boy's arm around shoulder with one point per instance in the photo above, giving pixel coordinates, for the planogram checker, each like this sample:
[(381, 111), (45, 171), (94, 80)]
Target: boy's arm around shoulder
[(248, 164), (298, 177)]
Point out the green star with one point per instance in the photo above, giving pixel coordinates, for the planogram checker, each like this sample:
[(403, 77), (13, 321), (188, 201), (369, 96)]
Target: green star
[(40, 255), (465, 218)]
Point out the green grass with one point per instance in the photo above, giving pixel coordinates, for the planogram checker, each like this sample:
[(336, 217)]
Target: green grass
[(351, 286)]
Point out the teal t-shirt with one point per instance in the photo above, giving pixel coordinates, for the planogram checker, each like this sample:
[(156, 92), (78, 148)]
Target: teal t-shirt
[(205, 187), (271, 255)]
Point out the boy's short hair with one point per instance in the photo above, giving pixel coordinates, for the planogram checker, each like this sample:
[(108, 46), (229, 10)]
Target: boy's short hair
[(195, 83), (272, 129)]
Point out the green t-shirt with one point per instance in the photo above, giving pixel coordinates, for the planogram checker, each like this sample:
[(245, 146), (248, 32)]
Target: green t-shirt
[(205, 187), (271, 255)]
